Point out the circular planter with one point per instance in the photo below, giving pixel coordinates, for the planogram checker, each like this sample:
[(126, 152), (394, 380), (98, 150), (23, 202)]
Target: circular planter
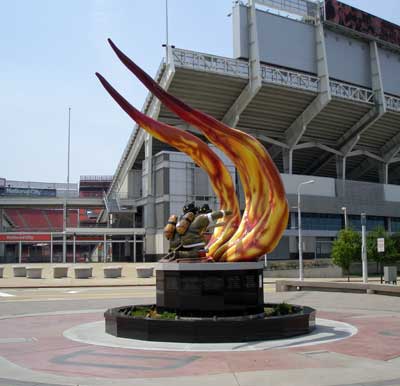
[(120, 323)]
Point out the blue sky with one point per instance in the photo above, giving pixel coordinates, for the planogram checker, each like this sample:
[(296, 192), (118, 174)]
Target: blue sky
[(50, 50)]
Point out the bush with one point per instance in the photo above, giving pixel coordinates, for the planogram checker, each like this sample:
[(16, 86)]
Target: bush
[(346, 249)]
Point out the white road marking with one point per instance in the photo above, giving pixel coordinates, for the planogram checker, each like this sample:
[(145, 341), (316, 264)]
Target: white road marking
[(72, 292), (6, 295)]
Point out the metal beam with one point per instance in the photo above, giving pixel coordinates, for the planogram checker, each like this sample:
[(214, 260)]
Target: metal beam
[(362, 168), (307, 145), (296, 130), (232, 116), (391, 149)]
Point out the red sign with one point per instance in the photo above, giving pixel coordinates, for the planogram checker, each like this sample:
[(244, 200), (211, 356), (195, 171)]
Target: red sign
[(361, 21), (25, 237)]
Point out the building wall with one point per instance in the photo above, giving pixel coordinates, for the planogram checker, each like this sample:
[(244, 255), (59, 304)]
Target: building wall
[(290, 43), (321, 203)]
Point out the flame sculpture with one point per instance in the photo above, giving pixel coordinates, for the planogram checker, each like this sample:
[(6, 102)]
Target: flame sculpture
[(266, 213)]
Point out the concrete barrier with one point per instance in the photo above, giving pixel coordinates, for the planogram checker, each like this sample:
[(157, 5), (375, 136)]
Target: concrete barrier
[(60, 272), (112, 272), (19, 271), (144, 272), (34, 272), (378, 289), (83, 272)]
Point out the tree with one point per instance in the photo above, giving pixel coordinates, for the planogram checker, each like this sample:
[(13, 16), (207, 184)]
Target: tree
[(381, 258), (346, 249)]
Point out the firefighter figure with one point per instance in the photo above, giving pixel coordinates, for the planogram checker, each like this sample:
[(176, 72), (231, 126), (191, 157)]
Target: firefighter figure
[(186, 236)]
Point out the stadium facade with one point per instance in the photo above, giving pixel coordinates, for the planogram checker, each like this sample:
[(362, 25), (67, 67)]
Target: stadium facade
[(317, 84)]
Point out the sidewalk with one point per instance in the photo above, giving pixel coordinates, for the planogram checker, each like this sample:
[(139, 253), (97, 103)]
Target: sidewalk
[(129, 277)]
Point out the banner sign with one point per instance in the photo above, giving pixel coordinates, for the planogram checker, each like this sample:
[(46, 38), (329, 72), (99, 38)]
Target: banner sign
[(28, 192), (360, 21), (381, 244), (25, 237)]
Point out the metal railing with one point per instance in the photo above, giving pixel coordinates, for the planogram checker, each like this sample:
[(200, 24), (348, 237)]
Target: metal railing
[(392, 103), (240, 68), (289, 78), (297, 7), (210, 63), (354, 93)]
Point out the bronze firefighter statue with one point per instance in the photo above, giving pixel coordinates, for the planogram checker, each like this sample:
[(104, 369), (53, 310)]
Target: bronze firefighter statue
[(187, 235)]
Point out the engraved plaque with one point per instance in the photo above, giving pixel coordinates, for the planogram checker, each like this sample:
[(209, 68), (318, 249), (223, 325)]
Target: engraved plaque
[(251, 281), (190, 284), (213, 284), (233, 282)]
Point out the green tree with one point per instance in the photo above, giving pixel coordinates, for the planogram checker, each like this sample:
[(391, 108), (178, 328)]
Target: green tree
[(346, 249), (381, 258)]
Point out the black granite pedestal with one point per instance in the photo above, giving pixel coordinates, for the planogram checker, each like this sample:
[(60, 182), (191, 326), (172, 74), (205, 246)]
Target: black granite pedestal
[(213, 303), (213, 289)]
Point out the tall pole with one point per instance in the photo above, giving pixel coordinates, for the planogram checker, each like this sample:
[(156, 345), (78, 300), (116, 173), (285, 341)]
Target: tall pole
[(364, 247), (166, 31), (69, 147), (301, 273)]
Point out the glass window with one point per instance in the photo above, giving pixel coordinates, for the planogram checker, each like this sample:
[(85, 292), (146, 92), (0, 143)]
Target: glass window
[(321, 221)]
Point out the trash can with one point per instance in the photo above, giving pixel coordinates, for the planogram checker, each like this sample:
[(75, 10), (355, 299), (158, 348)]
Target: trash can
[(390, 274)]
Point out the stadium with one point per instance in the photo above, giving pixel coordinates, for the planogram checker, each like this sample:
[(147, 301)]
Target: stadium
[(315, 82)]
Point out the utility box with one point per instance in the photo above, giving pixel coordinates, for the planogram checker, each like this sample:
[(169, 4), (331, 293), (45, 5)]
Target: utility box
[(390, 274)]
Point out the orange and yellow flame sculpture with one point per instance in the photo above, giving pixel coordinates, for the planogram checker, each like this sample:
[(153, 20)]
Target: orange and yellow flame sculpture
[(266, 213)]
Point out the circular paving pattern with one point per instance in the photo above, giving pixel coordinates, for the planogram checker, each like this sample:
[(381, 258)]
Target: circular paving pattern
[(326, 331)]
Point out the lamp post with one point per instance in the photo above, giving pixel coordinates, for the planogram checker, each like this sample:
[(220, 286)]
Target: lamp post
[(364, 247), (301, 275), (69, 147), (344, 209)]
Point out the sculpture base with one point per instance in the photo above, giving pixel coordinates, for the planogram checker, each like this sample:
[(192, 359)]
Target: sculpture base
[(209, 303), (120, 323), (210, 289)]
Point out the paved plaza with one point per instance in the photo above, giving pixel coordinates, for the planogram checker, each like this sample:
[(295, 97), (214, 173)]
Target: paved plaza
[(44, 341)]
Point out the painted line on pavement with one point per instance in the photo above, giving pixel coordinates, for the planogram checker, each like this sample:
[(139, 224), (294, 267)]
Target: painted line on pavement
[(6, 295)]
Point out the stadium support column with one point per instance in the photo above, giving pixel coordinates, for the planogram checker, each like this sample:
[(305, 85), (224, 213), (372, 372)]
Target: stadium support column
[(383, 173), (64, 232), (148, 188), (287, 155), (296, 130), (2, 254), (340, 167), (351, 138), (232, 116)]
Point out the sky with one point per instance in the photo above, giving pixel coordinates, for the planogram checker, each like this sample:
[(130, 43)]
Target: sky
[(49, 52)]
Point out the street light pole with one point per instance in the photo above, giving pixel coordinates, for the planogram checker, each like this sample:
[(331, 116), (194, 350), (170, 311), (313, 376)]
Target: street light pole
[(69, 147), (364, 247), (301, 274), (344, 209)]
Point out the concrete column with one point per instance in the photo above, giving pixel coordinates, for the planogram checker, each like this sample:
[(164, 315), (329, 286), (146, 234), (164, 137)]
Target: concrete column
[(105, 249), (383, 173), (340, 167), (287, 155), (2, 245), (51, 248), (134, 248), (64, 232), (74, 249)]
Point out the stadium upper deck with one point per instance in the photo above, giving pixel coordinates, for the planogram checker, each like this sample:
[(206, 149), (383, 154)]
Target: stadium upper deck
[(323, 97)]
